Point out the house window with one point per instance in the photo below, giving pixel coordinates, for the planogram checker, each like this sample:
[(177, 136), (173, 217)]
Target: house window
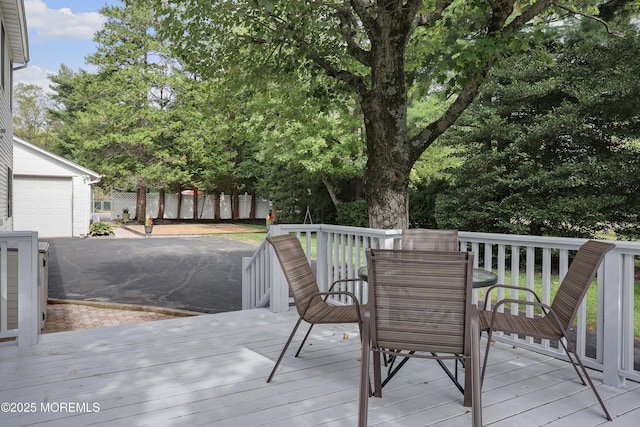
[(9, 193)]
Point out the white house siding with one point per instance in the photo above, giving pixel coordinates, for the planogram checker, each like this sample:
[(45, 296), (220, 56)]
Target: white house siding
[(15, 48), (81, 205), (6, 130), (44, 205)]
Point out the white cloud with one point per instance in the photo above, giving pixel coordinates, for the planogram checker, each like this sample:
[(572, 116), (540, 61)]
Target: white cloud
[(45, 23), (34, 75)]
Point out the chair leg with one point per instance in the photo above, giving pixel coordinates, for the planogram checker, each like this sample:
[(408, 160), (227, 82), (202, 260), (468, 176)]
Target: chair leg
[(486, 356), (568, 348), (575, 367), (476, 385), (586, 374), (377, 375), (304, 340), (365, 384), (295, 328)]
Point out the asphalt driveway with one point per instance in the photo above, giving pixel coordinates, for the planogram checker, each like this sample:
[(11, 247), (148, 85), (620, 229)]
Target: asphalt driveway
[(188, 273)]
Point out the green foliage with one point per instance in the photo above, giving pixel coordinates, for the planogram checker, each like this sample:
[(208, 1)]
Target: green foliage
[(101, 228), (292, 191), (422, 202), (353, 214), (224, 96), (554, 137), (141, 120), (315, 66), (30, 117)]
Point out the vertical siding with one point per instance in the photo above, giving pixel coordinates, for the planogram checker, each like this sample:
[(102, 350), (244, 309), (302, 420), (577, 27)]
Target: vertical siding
[(6, 138), (81, 206)]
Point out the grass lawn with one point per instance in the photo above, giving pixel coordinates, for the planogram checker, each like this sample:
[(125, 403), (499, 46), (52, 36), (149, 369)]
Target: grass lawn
[(591, 297)]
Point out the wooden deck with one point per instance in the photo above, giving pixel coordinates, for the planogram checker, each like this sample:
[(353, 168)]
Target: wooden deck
[(211, 370)]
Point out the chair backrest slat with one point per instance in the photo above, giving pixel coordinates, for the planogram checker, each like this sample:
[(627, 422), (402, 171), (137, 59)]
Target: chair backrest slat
[(576, 282), (429, 240), (296, 269)]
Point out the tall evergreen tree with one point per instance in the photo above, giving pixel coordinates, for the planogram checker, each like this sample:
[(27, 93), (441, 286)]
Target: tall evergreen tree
[(556, 141)]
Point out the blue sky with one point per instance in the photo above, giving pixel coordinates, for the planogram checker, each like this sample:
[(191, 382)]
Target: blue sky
[(60, 32)]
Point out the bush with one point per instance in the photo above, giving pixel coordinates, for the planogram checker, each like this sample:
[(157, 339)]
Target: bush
[(422, 202), (101, 229), (353, 214)]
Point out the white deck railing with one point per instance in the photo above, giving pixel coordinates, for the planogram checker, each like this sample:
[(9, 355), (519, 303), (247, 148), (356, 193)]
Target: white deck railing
[(608, 344), (19, 293)]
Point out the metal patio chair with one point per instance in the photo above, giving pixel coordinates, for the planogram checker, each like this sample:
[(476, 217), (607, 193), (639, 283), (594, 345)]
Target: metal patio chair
[(423, 239), (556, 319), (311, 304), (420, 306)]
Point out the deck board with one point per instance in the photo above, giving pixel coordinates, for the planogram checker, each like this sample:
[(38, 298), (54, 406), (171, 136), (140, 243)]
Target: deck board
[(211, 370)]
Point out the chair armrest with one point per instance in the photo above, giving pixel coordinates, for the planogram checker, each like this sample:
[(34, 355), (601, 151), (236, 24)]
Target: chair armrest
[(518, 288), (343, 281), (328, 294), (546, 309)]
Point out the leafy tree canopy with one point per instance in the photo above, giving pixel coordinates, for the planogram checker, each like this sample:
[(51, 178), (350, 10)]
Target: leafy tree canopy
[(31, 120), (377, 50)]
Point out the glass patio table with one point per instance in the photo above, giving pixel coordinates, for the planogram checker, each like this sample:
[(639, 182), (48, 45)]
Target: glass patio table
[(481, 278)]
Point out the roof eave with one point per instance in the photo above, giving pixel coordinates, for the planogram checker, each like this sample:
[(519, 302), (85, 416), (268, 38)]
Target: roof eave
[(15, 25)]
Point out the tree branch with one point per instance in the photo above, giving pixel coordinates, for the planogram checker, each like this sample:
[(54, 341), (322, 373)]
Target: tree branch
[(365, 9), (348, 29), (594, 18), (425, 20), (330, 189), (526, 16), (429, 134)]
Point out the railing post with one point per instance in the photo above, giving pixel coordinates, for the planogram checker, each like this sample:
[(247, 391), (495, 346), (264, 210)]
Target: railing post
[(28, 295), (388, 242), (279, 301), (322, 261), (612, 319), (247, 289)]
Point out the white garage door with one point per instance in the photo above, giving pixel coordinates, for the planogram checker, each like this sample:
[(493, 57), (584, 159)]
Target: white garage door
[(43, 205)]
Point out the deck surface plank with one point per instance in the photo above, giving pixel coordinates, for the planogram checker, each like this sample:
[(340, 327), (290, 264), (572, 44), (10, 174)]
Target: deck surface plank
[(211, 370)]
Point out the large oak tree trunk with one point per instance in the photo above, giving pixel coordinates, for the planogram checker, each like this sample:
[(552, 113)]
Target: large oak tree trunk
[(389, 156)]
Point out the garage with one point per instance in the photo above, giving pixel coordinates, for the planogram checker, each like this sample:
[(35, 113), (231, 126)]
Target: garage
[(51, 194), (43, 204)]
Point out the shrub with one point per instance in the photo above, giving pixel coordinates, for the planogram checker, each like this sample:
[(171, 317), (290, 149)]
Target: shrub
[(101, 229), (354, 214)]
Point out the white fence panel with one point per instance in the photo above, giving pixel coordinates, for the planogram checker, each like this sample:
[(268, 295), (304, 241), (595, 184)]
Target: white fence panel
[(225, 206), (153, 205), (206, 206), (262, 207), (244, 208)]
